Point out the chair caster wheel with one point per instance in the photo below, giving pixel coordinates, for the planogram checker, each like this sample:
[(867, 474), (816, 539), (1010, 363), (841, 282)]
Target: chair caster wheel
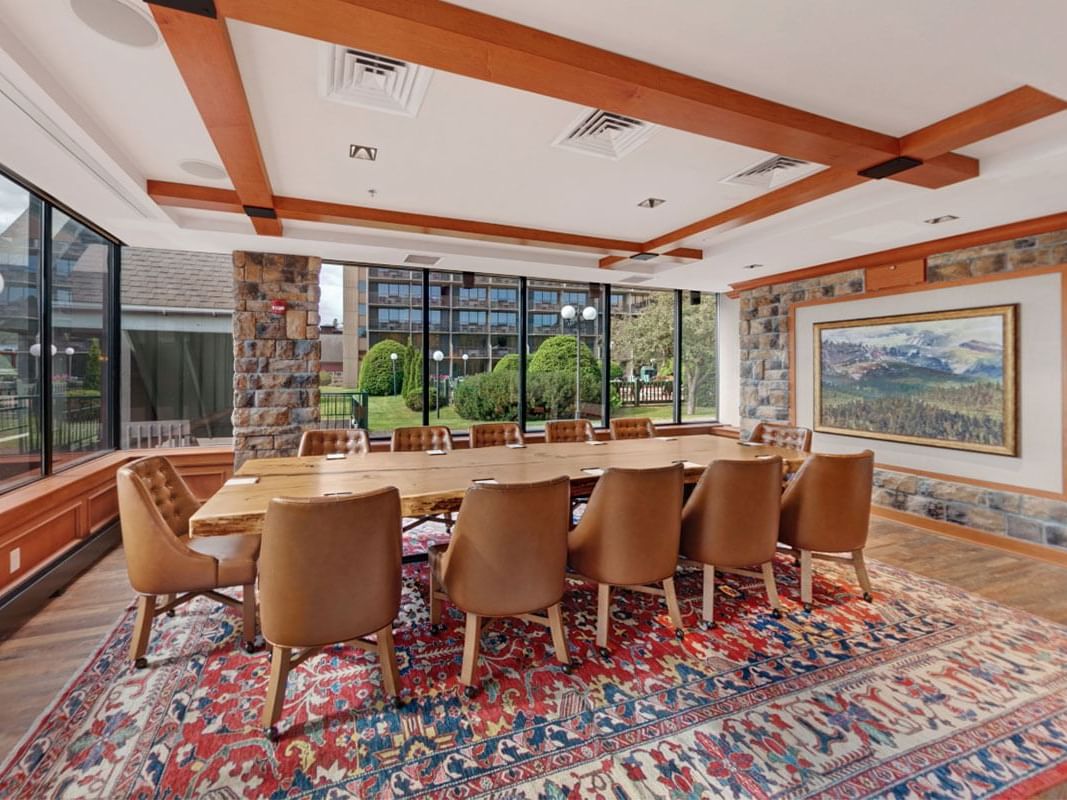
[(807, 608), (604, 652), (568, 669), (776, 613), (172, 613), (250, 647), (271, 733), (399, 702), (436, 629), (140, 663), (679, 634), (705, 625), (470, 691)]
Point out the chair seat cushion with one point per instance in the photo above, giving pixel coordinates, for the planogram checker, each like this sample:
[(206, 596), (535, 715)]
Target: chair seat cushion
[(236, 556)]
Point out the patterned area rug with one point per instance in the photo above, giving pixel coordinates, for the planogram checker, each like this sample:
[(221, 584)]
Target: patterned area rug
[(926, 693)]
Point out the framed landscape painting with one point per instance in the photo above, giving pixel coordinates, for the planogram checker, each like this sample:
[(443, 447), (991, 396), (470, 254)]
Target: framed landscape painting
[(944, 378)]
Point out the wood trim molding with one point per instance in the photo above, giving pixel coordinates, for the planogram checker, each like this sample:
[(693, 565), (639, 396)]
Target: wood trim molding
[(998, 233), (1020, 547), (1060, 269)]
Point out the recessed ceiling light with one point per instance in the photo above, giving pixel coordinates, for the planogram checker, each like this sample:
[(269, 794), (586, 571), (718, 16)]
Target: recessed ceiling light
[(363, 152), (119, 21), (651, 202), (939, 220), (752, 266), (203, 169), (644, 256)]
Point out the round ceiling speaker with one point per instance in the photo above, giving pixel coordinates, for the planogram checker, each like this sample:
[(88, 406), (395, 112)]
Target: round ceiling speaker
[(118, 21), (203, 169)]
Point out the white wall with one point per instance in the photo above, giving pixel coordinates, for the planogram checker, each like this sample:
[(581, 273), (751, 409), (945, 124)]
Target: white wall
[(729, 327), (1040, 461)]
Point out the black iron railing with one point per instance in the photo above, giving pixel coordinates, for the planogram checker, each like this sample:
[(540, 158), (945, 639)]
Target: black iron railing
[(343, 409)]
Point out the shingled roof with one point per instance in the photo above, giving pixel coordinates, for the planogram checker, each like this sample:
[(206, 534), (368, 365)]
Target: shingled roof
[(176, 279)]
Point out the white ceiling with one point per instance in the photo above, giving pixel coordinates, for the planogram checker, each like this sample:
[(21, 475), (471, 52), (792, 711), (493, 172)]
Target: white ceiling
[(89, 120)]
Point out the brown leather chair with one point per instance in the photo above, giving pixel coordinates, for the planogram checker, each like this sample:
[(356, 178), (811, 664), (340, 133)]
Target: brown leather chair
[(730, 523), (328, 441), (827, 509), (329, 573), (155, 505), (628, 537), (495, 434), (421, 437), (633, 428), (780, 434), (569, 430), (507, 558)]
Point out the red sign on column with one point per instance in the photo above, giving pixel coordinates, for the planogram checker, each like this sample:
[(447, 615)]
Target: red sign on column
[(277, 307)]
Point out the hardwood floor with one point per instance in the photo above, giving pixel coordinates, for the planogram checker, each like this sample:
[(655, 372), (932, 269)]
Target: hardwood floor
[(38, 660)]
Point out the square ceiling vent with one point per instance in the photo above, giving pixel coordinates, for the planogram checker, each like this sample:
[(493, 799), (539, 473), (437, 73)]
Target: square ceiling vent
[(373, 81), (773, 172), (605, 134)]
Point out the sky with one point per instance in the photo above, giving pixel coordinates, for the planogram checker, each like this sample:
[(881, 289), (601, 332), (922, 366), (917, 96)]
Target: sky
[(12, 202), (331, 297)]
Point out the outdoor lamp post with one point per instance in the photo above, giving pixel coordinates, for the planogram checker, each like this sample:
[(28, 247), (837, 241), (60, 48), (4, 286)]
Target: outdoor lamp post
[(465, 357), (437, 357), (569, 312), (393, 357)]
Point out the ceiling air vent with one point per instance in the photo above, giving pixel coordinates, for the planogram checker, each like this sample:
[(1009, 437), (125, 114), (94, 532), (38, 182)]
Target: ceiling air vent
[(774, 172), (605, 134), (372, 81), (424, 261), (636, 279)]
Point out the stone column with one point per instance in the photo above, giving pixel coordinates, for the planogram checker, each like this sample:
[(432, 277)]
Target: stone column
[(276, 357)]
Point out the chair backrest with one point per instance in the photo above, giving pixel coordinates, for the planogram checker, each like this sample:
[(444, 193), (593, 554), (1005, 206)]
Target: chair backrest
[(779, 434), (632, 428), (329, 567), (334, 440), (154, 509), (630, 529), (495, 434), (157, 433), (508, 553), (569, 430), (731, 518), (421, 437), (827, 506)]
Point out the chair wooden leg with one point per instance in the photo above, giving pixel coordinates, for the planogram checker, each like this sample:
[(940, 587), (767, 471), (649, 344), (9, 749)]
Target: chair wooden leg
[(708, 611), (248, 610), (559, 636), (279, 675), (142, 629), (603, 614), (471, 644), (167, 599), (387, 655), (861, 574), (805, 579), (772, 587), (435, 602), (672, 606)]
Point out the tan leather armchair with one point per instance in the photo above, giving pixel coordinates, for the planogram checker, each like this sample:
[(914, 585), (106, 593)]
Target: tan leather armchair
[(495, 434), (730, 523), (827, 509), (780, 434), (155, 505), (569, 430), (420, 438), (507, 558), (628, 537), (328, 441), (329, 573), (633, 428)]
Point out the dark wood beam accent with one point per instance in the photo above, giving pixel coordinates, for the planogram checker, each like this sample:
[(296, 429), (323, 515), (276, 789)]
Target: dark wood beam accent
[(184, 195), (685, 253), (204, 55), (477, 45), (896, 255)]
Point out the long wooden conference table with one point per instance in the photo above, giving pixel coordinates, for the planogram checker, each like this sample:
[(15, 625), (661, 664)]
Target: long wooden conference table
[(435, 483)]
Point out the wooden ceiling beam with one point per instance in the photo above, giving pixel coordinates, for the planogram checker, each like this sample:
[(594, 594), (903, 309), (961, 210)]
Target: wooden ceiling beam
[(204, 55), (465, 42)]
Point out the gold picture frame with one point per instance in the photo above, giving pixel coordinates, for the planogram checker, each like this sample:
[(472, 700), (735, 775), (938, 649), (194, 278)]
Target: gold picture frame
[(891, 369)]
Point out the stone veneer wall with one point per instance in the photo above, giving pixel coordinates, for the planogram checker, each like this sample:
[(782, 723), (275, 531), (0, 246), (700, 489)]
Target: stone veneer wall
[(276, 357), (765, 354)]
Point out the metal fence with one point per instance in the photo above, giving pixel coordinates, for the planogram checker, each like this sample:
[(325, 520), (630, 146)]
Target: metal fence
[(343, 409), (645, 393), (76, 426)]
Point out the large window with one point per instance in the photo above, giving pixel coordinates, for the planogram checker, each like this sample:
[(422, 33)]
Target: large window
[(700, 356), (55, 347), (642, 353)]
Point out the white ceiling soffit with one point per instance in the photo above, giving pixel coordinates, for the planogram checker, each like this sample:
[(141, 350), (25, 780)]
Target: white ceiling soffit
[(773, 172), (373, 81), (605, 134)]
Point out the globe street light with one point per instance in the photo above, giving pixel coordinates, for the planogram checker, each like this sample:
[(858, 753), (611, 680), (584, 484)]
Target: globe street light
[(465, 357), (393, 357), (569, 312), (437, 356)]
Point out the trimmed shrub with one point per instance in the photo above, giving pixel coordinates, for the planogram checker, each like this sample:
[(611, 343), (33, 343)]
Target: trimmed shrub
[(413, 372), (325, 378), (413, 399), (488, 396), (557, 354), (509, 363), (376, 374)]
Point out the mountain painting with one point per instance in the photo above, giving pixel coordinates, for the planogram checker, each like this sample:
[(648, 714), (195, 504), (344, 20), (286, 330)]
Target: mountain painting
[(945, 379)]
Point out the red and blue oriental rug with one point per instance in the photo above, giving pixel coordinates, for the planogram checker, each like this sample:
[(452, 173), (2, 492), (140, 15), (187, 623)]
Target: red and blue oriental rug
[(926, 693)]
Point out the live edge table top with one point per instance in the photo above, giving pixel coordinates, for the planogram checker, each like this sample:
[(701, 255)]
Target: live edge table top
[(431, 484)]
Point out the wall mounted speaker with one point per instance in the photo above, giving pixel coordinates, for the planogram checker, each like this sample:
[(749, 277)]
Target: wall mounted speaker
[(694, 298)]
